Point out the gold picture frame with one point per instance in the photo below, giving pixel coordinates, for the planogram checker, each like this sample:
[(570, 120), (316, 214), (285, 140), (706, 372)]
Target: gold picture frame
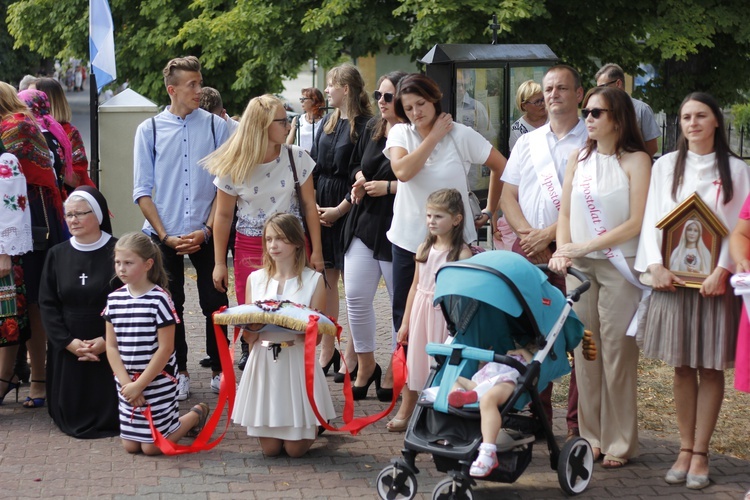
[(691, 240)]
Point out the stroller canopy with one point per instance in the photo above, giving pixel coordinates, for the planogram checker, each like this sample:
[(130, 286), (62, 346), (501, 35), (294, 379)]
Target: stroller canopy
[(497, 299)]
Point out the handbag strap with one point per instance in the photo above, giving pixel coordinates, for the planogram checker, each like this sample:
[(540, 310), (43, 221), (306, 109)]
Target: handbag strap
[(44, 209), (299, 201), (468, 186), (297, 188)]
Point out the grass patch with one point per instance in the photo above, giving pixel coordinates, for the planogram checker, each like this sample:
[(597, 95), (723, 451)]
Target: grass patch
[(656, 412)]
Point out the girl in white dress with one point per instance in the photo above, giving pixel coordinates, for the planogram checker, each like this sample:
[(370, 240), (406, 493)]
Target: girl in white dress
[(271, 400)]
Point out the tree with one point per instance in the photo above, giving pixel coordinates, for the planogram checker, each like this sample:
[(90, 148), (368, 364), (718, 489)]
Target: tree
[(249, 46), (14, 64)]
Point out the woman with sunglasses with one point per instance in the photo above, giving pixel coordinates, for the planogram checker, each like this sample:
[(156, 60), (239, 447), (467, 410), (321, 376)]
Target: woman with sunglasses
[(253, 170), (428, 153), (530, 102), (332, 152), (307, 123), (604, 196), (368, 251), (694, 330)]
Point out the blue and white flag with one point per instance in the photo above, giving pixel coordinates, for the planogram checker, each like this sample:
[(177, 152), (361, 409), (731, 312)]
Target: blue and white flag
[(102, 43)]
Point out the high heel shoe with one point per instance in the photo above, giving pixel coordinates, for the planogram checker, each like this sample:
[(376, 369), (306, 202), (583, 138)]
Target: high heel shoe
[(35, 402), (338, 377), (11, 386), (361, 392), (335, 361), (385, 394)]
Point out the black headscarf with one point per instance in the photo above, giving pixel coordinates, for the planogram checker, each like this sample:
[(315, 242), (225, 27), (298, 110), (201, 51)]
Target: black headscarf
[(105, 225)]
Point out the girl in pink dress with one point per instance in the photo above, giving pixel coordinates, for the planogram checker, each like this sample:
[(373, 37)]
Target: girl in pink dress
[(424, 323), (739, 247)]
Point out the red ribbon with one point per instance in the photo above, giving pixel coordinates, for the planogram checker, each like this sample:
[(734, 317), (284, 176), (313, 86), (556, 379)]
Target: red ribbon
[(227, 393), (228, 390), (351, 424)]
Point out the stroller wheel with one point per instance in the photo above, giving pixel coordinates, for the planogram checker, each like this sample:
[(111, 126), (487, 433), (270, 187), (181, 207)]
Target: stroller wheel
[(450, 489), (396, 483), (575, 466)]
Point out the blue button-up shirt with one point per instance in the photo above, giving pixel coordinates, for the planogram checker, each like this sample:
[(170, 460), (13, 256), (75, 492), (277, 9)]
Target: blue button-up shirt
[(182, 190)]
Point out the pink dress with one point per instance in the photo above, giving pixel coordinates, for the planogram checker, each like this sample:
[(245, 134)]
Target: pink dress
[(426, 322), (742, 361)]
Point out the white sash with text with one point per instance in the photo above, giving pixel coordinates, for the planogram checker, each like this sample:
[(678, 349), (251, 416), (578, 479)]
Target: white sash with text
[(545, 169), (597, 221)]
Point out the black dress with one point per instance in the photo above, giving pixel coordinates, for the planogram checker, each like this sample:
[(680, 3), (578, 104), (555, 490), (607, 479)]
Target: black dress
[(81, 395), (332, 154), (371, 218)]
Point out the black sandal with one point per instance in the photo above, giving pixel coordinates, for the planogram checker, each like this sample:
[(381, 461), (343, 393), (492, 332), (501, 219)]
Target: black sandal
[(202, 410)]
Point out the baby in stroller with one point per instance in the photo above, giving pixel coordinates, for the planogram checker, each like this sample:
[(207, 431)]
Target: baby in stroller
[(492, 386)]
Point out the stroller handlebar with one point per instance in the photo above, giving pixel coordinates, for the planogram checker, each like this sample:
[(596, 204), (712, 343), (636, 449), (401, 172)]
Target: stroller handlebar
[(582, 288)]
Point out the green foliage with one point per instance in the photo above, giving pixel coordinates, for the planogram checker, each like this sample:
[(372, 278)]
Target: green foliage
[(741, 117), (248, 47), (14, 63)]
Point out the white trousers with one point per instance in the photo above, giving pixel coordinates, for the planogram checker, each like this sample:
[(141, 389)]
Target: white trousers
[(362, 274)]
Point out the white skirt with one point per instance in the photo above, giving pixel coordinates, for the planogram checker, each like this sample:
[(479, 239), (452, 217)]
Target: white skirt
[(272, 399)]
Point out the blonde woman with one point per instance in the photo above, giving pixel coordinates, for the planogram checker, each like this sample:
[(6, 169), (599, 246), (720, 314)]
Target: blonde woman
[(332, 151), (254, 172), (530, 102)]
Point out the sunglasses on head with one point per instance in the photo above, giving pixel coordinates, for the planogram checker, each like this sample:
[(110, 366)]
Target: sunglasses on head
[(388, 97), (595, 112)]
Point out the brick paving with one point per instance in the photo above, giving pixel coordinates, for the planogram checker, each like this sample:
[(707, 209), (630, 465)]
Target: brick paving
[(37, 460)]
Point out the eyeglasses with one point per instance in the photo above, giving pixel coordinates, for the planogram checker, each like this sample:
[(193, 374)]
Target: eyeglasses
[(76, 215), (538, 103), (283, 121), (387, 97), (303, 99), (607, 84), (595, 112)]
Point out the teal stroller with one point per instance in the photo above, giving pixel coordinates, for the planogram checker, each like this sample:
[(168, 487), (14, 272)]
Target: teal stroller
[(492, 303)]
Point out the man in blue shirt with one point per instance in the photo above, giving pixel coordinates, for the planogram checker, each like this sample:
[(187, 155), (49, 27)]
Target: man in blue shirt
[(176, 195)]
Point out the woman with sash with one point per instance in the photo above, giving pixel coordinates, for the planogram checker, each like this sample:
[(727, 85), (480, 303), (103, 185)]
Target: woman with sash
[(603, 201), (694, 330)]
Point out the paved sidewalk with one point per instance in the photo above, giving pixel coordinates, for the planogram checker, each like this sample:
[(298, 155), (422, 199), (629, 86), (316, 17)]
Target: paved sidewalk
[(37, 460)]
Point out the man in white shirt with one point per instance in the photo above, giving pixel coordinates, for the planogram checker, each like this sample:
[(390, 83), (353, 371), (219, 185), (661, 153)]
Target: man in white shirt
[(613, 75), (532, 192)]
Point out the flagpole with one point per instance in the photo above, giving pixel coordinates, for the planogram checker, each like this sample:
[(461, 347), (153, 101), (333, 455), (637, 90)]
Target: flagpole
[(94, 116)]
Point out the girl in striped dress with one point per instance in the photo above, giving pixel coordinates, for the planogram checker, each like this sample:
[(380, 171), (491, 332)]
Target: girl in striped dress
[(140, 346)]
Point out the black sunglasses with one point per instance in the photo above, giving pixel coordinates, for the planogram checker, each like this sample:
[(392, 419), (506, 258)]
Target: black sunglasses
[(595, 112), (608, 83), (388, 97)]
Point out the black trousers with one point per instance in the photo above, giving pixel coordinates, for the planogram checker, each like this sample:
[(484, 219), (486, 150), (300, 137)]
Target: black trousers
[(403, 275), (209, 298)]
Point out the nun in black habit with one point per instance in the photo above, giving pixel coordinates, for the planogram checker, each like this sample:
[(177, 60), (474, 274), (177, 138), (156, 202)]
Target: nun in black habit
[(77, 277)]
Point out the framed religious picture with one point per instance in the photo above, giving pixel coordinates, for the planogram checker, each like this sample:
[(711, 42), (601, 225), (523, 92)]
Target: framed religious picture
[(691, 240)]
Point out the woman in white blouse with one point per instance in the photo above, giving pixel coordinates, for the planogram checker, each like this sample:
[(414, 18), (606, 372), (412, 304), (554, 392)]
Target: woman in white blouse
[(604, 195), (253, 171), (430, 152), (692, 329)]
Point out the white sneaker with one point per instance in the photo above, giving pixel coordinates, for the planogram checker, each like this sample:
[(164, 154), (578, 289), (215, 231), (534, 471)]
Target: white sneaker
[(183, 387), (216, 383)]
